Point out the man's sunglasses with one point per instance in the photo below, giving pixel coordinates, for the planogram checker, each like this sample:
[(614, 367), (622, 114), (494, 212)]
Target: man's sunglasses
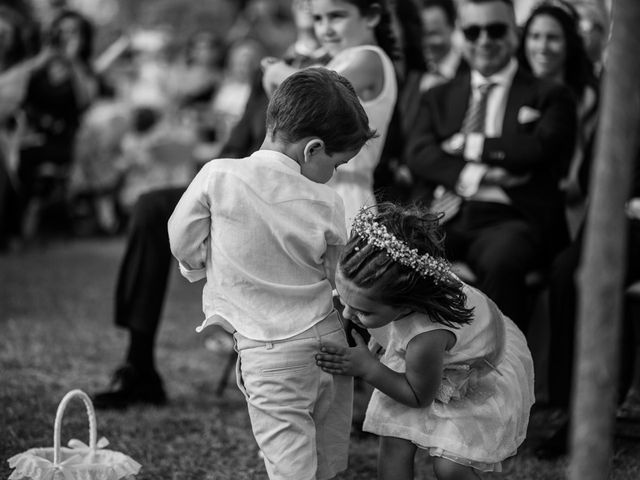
[(495, 31)]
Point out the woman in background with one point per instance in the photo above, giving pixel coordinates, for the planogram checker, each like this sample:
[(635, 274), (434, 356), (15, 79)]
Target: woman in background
[(17, 60), (58, 93), (553, 48)]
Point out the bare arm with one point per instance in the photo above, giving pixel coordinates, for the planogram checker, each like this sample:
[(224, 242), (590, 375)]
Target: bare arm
[(416, 387), (365, 72), (363, 69)]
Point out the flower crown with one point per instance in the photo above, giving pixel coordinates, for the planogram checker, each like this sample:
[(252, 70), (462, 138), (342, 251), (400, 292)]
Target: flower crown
[(376, 234)]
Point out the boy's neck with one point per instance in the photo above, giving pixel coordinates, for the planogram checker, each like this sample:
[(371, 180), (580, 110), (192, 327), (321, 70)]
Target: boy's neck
[(293, 150)]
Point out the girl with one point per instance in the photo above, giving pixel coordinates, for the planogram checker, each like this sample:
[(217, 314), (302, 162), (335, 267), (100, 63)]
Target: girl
[(358, 35), (456, 376)]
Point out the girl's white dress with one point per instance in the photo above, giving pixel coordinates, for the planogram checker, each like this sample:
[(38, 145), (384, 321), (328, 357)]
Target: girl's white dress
[(354, 180), (481, 411)]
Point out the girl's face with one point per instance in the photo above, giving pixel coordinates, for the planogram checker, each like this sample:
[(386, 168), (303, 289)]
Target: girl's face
[(361, 306), (69, 29), (546, 47), (339, 25)]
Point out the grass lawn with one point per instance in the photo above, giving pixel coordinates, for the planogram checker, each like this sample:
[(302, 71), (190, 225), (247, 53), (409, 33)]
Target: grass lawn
[(56, 304)]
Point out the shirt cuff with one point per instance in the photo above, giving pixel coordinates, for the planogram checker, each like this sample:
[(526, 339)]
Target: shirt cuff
[(193, 275), (473, 147), (470, 178)]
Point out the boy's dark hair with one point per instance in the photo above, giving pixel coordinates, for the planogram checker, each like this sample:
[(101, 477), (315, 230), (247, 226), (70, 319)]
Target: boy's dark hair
[(397, 285), (317, 102)]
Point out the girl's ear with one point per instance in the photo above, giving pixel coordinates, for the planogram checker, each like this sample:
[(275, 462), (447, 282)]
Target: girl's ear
[(313, 147), (374, 14)]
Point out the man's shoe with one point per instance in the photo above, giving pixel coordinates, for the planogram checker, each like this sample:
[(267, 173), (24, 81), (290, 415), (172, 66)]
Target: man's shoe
[(131, 386), (555, 446)]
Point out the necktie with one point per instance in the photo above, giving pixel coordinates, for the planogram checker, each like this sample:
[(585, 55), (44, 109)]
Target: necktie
[(446, 201), (477, 111)]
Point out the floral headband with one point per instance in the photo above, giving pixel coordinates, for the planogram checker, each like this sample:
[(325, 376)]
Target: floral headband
[(377, 235)]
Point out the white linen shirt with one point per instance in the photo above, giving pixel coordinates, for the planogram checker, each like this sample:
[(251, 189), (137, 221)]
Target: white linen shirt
[(266, 238), (468, 185)]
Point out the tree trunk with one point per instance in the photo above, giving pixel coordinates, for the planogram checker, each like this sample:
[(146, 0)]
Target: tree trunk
[(602, 270)]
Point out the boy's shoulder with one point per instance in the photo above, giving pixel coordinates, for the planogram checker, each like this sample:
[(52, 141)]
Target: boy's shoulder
[(224, 163)]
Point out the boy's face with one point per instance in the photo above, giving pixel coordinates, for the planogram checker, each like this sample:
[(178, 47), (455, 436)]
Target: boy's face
[(318, 166)]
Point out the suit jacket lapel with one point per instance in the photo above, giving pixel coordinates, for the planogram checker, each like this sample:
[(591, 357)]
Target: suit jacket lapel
[(458, 100), (518, 94)]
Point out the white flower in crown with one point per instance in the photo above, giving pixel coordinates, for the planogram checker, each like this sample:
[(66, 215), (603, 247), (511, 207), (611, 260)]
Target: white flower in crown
[(377, 235)]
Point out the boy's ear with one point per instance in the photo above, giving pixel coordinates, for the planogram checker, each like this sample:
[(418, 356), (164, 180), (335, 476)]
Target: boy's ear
[(312, 148)]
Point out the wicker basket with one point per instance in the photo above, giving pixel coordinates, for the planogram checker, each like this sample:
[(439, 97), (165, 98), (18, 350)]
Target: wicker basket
[(76, 462)]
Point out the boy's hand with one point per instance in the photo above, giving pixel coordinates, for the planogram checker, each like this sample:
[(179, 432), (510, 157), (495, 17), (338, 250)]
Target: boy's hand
[(338, 360)]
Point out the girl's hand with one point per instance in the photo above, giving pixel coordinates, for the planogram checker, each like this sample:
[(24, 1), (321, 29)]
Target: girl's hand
[(355, 361)]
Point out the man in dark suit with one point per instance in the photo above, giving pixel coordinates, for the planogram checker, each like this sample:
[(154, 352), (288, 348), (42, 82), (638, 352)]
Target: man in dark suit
[(497, 139)]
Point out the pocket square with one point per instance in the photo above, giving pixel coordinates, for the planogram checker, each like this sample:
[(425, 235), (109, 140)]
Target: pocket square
[(528, 114)]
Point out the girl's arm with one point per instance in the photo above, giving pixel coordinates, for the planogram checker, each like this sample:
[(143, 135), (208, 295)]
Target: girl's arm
[(362, 68), (189, 227), (416, 387), (274, 73)]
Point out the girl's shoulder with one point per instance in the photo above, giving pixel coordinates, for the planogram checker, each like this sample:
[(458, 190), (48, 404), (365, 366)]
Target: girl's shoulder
[(368, 69), (362, 56), (418, 323)]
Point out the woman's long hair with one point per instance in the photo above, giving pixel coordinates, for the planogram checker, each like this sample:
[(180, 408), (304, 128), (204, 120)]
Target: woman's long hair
[(578, 69)]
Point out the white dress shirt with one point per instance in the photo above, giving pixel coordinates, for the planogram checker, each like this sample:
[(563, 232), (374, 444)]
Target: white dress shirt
[(468, 185), (266, 238)]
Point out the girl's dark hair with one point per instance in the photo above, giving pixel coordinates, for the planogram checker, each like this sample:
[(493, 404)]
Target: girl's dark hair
[(411, 33), (86, 32), (384, 33), (578, 69), (401, 286)]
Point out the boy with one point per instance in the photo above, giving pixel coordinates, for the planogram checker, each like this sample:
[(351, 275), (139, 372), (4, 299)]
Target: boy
[(266, 232)]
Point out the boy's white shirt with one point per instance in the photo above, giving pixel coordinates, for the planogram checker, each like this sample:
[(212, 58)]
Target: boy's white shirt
[(266, 238)]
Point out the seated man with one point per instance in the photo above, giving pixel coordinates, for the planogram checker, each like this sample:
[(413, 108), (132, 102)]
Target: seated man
[(144, 272), (497, 139)]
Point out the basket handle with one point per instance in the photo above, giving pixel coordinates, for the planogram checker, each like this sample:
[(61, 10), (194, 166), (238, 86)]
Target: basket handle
[(93, 434)]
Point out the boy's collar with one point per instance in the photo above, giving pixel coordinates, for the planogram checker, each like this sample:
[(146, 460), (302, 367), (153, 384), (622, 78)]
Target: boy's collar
[(280, 157)]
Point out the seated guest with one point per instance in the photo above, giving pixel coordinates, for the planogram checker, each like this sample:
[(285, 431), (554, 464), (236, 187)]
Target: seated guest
[(442, 61), (495, 138), (144, 270), (552, 48), (563, 301)]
